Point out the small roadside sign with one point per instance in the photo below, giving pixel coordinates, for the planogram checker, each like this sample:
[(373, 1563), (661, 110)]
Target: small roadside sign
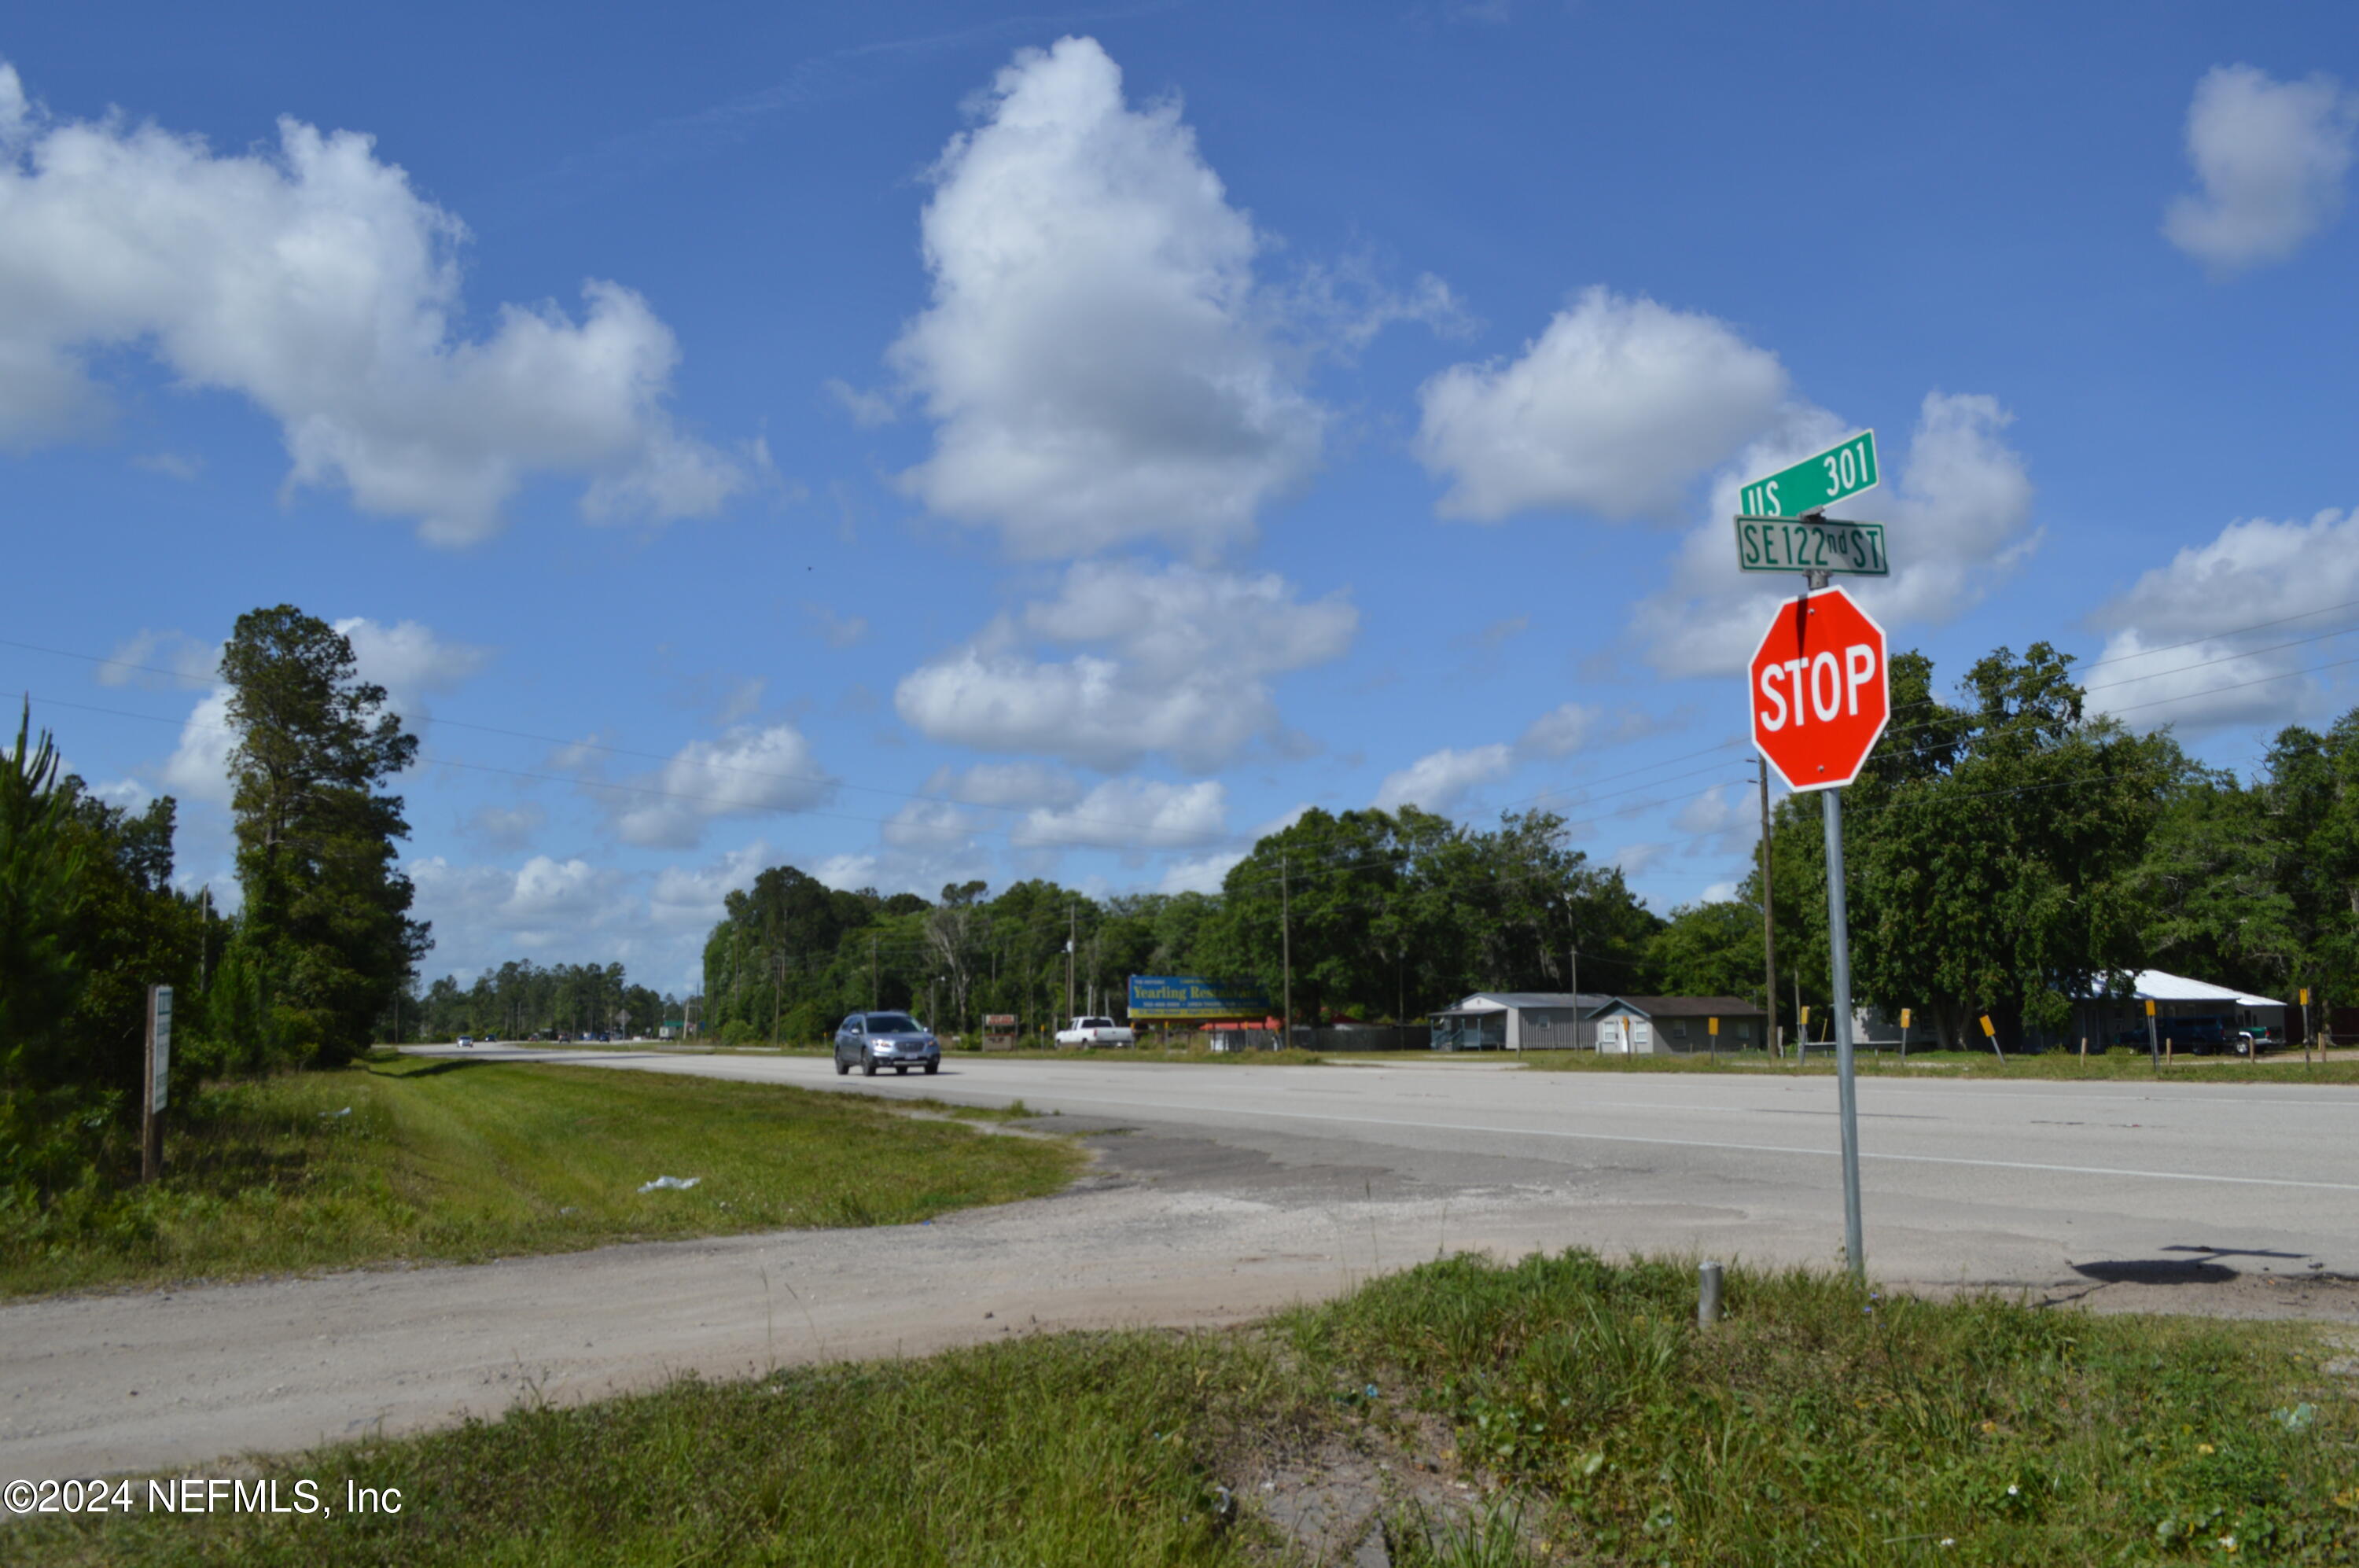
[(1904, 1018), (1845, 469), (2305, 995), (159, 1063), (1711, 1026), (2149, 1007), (1811, 544), (1990, 1030)]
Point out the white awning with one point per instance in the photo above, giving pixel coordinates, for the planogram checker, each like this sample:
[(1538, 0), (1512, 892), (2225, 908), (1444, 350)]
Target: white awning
[(2154, 985)]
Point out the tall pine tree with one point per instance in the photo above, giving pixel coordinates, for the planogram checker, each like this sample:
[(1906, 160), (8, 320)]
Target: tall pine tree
[(325, 939)]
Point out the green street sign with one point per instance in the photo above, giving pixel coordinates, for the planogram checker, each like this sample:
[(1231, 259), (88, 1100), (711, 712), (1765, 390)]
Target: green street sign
[(1814, 482), (1811, 544)]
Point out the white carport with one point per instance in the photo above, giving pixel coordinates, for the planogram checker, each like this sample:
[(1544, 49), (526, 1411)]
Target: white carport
[(2177, 997)]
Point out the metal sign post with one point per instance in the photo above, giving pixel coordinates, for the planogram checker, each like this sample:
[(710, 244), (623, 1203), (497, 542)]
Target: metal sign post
[(158, 1081), (1822, 695), (1846, 1090), (2153, 1047)]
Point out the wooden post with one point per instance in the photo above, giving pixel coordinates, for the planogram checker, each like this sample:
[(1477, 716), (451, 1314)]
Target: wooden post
[(2084, 1048), (156, 1079)]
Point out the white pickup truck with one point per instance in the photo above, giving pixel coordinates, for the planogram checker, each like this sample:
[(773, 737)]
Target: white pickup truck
[(1096, 1032)]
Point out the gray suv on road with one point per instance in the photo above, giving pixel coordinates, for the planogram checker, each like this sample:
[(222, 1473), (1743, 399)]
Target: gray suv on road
[(871, 1041)]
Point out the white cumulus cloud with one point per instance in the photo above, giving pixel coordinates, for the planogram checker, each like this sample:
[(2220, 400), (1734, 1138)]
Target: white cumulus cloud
[(928, 825), (1439, 780), (312, 278), (750, 771), (2177, 651), (410, 662), (1006, 784), (1614, 409), (690, 897), (199, 766), (2269, 157), (1560, 731), (1132, 815), (1180, 664), (1725, 819), (1093, 354)]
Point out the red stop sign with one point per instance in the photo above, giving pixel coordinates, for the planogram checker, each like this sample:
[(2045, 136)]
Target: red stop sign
[(1820, 692)]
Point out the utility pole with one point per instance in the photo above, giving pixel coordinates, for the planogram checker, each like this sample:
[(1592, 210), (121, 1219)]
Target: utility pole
[(1072, 932), (1572, 962), (1286, 944), (204, 934), (1768, 919), (876, 996)]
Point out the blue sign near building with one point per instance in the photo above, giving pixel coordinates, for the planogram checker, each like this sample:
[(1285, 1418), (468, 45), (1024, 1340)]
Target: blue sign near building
[(1190, 997)]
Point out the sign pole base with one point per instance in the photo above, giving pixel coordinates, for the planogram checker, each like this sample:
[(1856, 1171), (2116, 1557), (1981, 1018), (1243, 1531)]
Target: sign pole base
[(1846, 1088)]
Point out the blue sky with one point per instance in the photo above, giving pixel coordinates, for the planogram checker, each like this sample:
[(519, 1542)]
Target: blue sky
[(916, 442)]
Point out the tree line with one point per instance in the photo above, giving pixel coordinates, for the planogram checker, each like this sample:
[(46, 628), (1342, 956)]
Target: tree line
[(521, 999), (1374, 914), (316, 951), (2007, 851)]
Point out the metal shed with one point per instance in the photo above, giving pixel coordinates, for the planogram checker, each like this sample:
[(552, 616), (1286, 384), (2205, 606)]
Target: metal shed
[(1518, 1020)]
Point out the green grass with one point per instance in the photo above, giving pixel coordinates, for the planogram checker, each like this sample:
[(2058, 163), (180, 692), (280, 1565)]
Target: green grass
[(459, 1161), (1817, 1424), (2108, 1066)]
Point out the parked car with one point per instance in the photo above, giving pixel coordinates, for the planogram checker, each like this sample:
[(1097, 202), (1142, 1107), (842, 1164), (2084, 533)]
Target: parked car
[(1096, 1032), (872, 1040)]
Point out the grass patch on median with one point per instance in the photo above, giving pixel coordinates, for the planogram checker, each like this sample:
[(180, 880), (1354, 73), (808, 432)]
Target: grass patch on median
[(409, 1159), (2055, 1065), (1561, 1410)]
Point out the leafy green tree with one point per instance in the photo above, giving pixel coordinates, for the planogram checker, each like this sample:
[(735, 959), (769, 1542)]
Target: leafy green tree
[(88, 921), (1709, 948), (2309, 801), (1992, 848), (2218, 883), (326, 939)]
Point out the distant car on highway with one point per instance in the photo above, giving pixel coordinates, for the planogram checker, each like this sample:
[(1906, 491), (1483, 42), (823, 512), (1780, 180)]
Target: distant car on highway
[(1096, 1032), (874, 1040), (467, 1040)]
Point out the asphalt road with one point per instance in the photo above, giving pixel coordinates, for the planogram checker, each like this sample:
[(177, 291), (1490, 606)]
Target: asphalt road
[(1223, 1191)]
